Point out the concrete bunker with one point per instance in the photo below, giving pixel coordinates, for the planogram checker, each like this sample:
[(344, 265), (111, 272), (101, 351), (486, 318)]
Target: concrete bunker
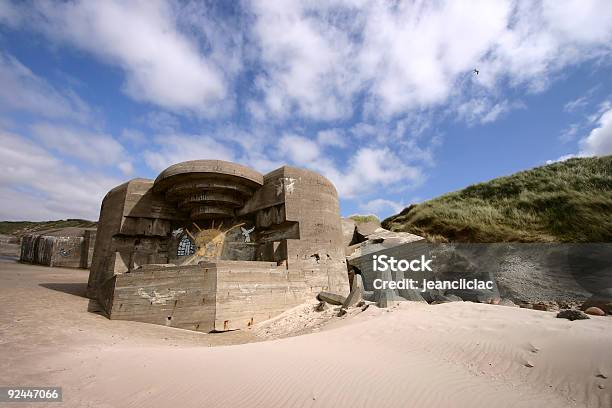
[(70, 247), (211, 245)]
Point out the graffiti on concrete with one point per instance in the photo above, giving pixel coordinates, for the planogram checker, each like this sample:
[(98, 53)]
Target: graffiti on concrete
[(286, 184), (186, 246), (157, 298), (247, 233)]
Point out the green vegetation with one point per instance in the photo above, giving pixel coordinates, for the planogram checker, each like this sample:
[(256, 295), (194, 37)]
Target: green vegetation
[(364, 218), (20, 228), (569, 201)]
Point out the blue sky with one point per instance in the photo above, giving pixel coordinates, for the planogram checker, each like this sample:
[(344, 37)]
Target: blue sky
[(378, 96)]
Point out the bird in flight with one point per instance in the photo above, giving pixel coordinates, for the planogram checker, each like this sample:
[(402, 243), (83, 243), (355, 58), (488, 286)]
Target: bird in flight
[(476, 71)]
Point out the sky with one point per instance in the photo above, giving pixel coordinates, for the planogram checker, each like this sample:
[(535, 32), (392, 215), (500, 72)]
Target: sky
[(381, 97)]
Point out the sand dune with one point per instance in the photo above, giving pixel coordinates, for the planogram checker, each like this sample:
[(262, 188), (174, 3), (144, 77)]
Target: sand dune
[(449, 355)]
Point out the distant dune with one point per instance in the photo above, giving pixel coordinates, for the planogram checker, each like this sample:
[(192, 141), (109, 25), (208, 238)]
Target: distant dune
[(20, 228), (568, 201)]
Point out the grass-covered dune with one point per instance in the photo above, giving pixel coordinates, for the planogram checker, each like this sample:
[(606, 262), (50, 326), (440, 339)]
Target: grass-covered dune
[(568, 201), (20, 228), (364, 218)]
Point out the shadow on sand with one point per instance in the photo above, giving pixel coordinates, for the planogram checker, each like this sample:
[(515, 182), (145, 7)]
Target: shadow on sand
[(76, 289)]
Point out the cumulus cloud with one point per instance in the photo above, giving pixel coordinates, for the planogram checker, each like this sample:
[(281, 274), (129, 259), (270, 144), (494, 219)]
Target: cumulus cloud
[(485, 110), (371, 170), (162, 65), (9, 14), (366, 170), (93, 148), (318, 58), (299, 150), (304, 58), (416, 60), (160, 121), (36, 185), (331, 137), (21, 89), (382, 207), (134, 137), (569, 133), (326, 60), (174, 148), (599, 140)]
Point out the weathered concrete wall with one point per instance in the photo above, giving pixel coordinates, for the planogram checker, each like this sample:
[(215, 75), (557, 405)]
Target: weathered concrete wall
[(222, 295), (134, 228), (10, 246), (300, 210), (182, 297), (87, 249), (69, 248), (67, 252), (111, 215), (37, 249), (251, 292), (208, 189)]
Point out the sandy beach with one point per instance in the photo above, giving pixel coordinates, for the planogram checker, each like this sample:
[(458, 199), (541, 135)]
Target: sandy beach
[(457, 354)]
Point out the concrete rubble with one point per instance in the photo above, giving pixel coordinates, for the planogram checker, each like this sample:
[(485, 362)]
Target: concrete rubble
[(331, 298), (356, 294)]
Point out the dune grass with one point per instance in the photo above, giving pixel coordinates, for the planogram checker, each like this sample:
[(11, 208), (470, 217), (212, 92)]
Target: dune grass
[(364, 218), (569, 201), (19, 228)]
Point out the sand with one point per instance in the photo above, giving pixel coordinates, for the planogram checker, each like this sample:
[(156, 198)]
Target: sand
[(448, 355)]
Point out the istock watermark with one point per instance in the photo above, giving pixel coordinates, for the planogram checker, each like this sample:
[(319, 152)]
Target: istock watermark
[(383, 263), (459, 284)]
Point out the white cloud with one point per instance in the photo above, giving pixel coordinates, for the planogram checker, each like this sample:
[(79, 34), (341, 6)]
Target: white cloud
[(305, 60), (603, 107), (371, 169), (325, 60), (126, 167), (599, 140), (365, 172), (9, 14), (160, 122), (21, 89), (162, 65), (92, 148), (175, 148), (579, 21), (569, 133), (485, 110), (379, 167), (424, 48), (318, 58), (563, 158), (299, 150), (133, 136), (331, 137), (576, 104), (35, 185), (382, 207)]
